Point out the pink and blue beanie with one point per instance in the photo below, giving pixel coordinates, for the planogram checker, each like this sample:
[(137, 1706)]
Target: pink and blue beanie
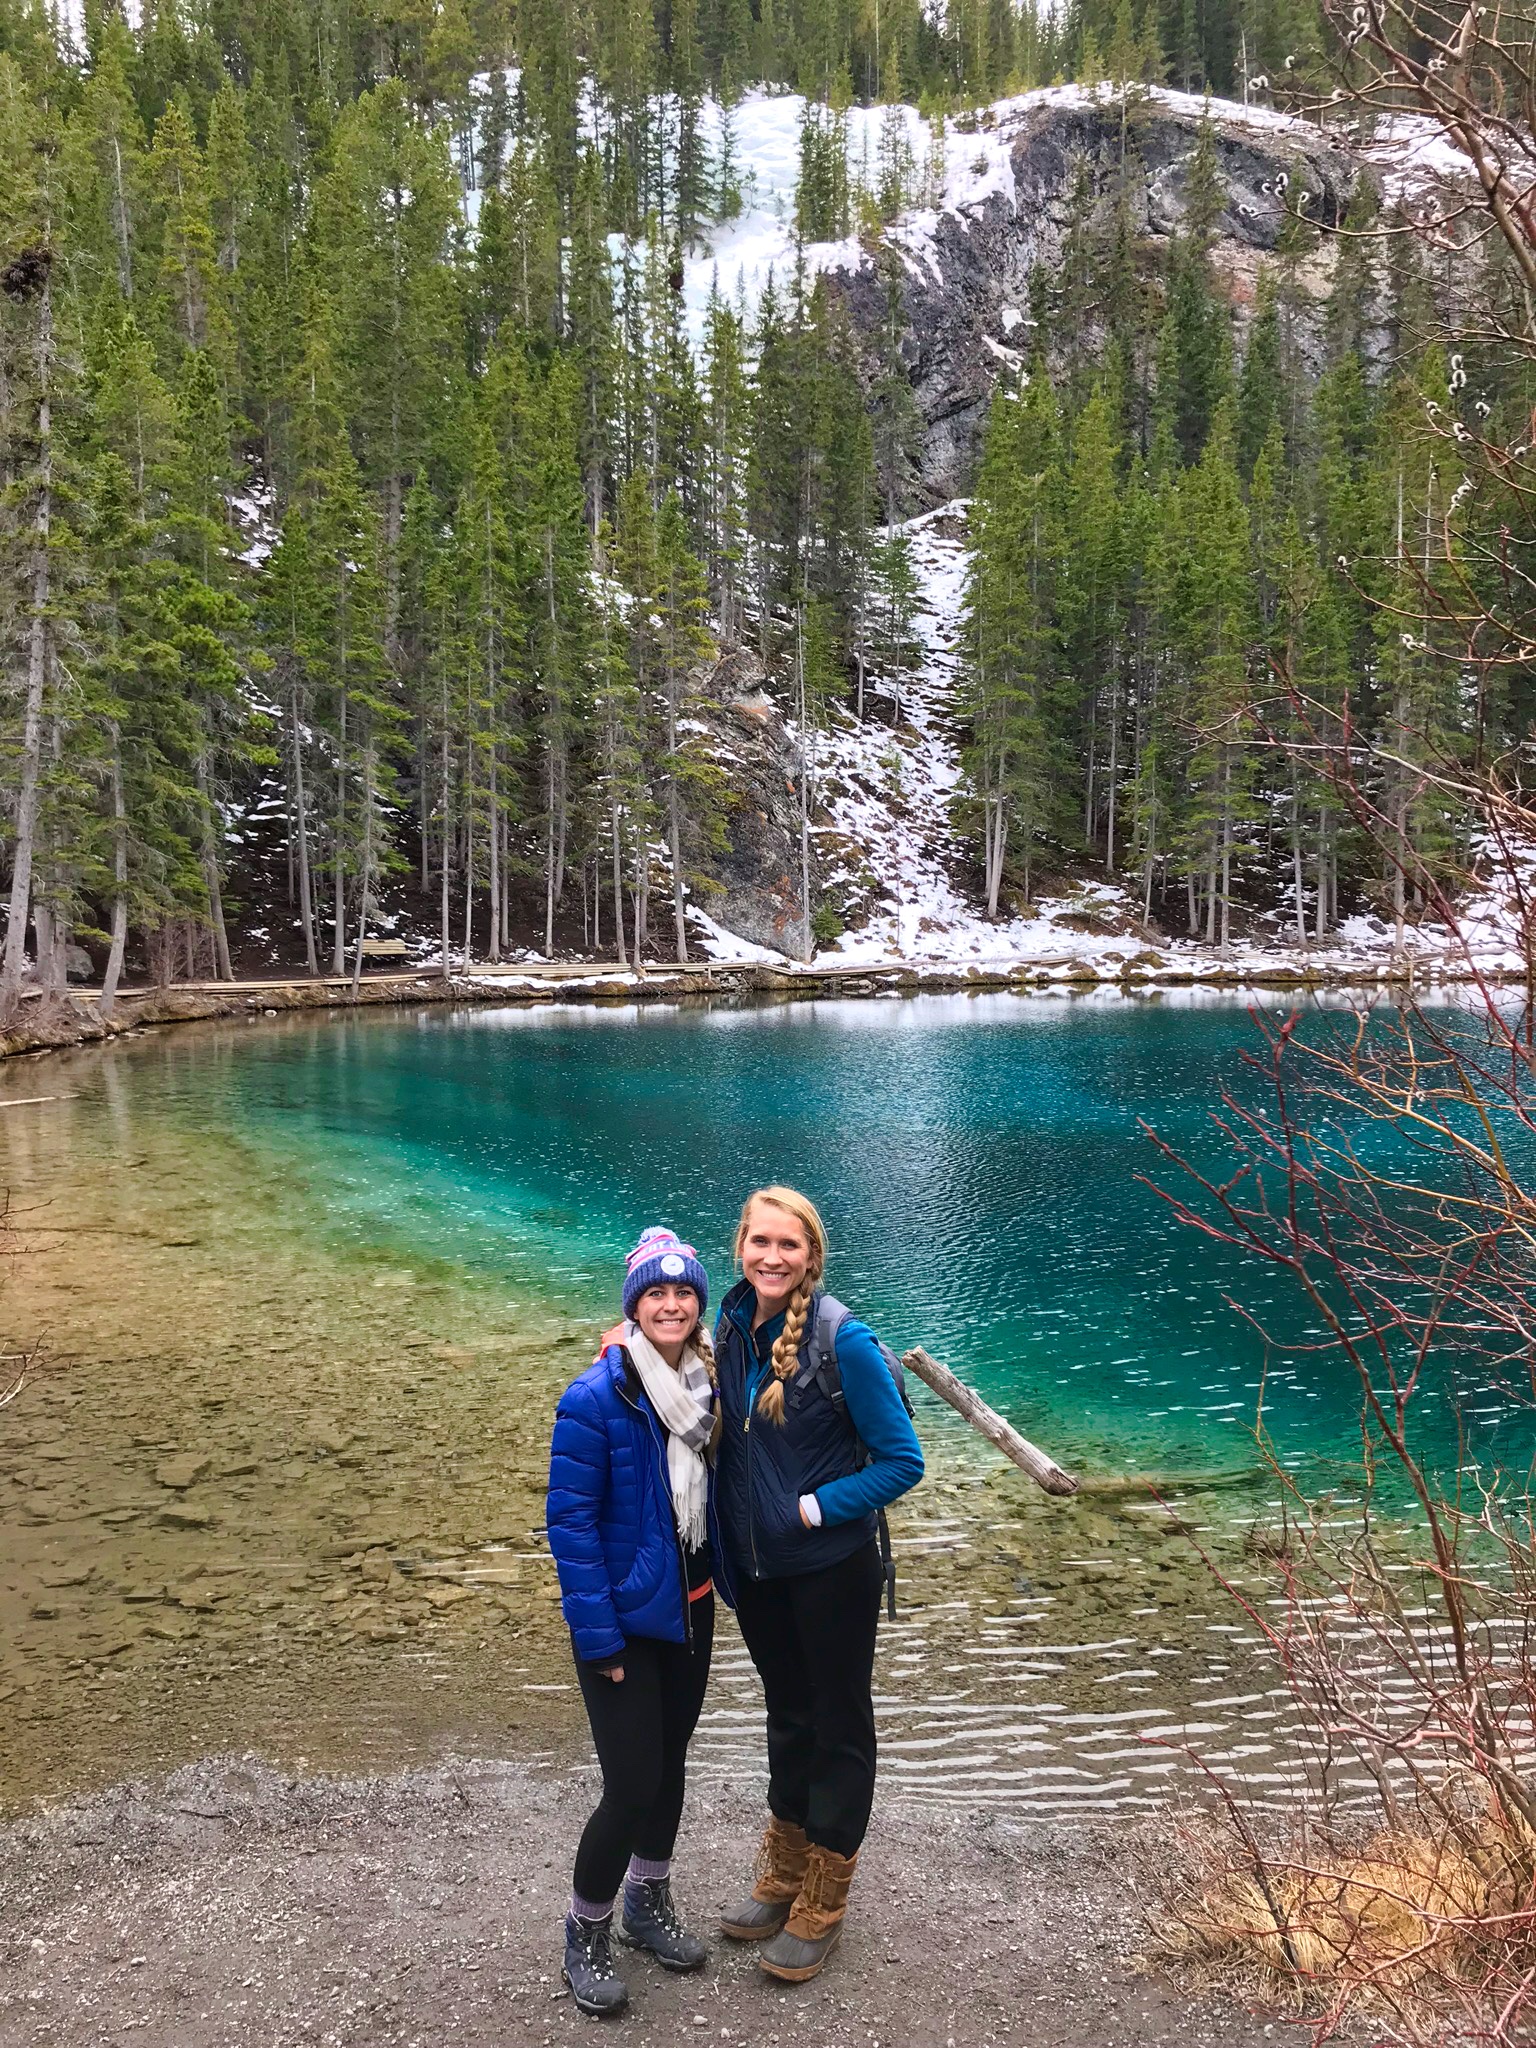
[(661, 1256)]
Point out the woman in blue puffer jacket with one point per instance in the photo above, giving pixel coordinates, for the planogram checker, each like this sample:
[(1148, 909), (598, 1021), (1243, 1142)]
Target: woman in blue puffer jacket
[(631, 1522)]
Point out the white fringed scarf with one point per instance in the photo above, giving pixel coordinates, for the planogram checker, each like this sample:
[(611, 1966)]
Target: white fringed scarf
[(684, 1400)]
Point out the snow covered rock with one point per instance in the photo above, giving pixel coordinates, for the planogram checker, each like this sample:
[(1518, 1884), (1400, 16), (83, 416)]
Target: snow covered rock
[(968, 263)]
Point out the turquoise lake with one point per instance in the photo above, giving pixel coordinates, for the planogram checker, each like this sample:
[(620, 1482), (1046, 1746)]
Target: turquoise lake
[(976, 1160), (304, 1291)]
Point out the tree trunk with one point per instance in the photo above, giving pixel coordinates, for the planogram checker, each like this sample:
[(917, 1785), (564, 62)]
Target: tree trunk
[(967, 1403), (549, 850), (447, 828), (618, 885), (1112, 773), (120, 224), (367, 878), (222, 968), (301, 826), (676, 833), (469, 888), (805, 788), (495, 867), (338, 875), (29, 768), (47, 953), (108, 1001), (421, 784)]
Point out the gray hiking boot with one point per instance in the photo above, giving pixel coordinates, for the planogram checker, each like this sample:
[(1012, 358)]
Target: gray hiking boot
[(595, 1984), (650, 1922)]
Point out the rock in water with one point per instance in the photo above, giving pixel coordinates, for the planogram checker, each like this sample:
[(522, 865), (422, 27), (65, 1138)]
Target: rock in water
[(184, 1516), (180, 1473)]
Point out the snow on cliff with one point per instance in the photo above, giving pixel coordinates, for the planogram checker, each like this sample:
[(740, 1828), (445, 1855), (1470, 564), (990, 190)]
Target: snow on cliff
[(887, 831)]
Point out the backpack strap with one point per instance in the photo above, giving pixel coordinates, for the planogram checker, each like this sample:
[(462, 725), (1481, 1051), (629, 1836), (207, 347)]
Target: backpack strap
[(831, 1314)]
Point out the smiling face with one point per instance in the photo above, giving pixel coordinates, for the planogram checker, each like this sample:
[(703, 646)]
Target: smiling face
[(775, 1255), (666, 1314)]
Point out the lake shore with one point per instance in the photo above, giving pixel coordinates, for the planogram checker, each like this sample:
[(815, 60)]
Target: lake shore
[(231, 1905), (79, 1022)]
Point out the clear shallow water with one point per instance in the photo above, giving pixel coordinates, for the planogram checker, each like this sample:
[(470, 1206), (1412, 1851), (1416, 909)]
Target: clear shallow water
[(307, 1292)]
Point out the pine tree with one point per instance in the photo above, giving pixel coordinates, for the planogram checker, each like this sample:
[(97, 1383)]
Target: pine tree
[(1014, 633), (36, 376), (695, 786), (382, 217), (1215, 629), (621, 799), (103, 162), (190, 292), (1092, 612), (590, 338), (725, 461)]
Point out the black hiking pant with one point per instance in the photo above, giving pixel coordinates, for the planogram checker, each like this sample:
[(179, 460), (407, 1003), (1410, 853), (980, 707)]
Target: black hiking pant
[(641, 1728), (812, 1638)]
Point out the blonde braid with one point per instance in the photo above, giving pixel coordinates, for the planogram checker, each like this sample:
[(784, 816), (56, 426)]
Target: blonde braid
[(699, 1342), (786, 1352)]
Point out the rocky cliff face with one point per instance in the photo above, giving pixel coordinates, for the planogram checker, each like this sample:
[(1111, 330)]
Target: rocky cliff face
[(756, 881), (883, 795), (968, 268)]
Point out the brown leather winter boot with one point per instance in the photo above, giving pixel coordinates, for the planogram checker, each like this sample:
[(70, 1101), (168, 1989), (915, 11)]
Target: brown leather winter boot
[(781, 1860), (815, 1923)]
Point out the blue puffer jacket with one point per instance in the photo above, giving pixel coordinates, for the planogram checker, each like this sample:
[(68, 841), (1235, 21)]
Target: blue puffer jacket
[(610, 1519), (765, 1467)]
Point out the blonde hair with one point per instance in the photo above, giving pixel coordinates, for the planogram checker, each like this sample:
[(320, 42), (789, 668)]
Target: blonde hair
[(786, 1349), (698, 1340)]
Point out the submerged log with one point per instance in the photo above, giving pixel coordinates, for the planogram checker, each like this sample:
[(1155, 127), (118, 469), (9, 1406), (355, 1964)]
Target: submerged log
[(1027, 1456)]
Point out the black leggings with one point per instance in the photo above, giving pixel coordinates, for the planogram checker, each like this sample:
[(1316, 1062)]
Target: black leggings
[(641, 1728), (812, 1639)]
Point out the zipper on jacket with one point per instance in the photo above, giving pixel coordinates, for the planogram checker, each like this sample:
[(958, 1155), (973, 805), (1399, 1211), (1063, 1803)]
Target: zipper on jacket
[(746, 1430), (677, 1541), (746, 1337), (666, 1493)]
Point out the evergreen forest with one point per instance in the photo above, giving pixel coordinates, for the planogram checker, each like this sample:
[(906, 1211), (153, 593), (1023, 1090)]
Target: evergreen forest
[(370, 519)]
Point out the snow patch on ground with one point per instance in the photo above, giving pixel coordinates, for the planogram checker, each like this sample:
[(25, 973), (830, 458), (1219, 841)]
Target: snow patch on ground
[(254, 511)]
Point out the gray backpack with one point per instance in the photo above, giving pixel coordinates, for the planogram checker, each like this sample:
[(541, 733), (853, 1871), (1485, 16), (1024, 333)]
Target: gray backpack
[(831, 1315)]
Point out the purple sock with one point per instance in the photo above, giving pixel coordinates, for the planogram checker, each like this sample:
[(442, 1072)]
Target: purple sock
[(647, 1870), (591, 1909)]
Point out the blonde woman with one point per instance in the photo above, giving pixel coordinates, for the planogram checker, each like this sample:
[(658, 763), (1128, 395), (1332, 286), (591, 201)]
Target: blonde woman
[(815, 1440), (632, 1527)]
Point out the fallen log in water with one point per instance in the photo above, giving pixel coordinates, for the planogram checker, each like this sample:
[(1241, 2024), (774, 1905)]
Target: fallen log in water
[(1043, 1470)]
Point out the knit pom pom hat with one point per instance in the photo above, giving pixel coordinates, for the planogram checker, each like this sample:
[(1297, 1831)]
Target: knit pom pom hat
[(661, 1256)]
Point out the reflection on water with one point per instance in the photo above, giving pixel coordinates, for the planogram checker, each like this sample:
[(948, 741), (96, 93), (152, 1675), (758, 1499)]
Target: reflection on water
[(306, 1295)]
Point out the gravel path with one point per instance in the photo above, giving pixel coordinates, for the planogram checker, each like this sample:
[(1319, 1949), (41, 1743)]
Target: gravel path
[(233, 1907)]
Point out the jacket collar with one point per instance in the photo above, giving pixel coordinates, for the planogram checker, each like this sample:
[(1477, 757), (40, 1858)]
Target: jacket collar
[(626, 1381), (739, 1305)]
